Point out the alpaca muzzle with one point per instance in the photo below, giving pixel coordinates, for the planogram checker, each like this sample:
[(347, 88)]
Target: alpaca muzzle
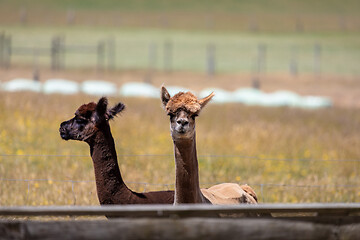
[(64, 133)]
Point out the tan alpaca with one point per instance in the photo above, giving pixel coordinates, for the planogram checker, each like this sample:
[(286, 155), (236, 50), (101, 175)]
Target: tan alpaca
[(183, 108)]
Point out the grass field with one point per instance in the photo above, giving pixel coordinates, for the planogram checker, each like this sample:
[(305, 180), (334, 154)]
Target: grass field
[(273, 15), (287, 155), (234, 52), (273, 6)]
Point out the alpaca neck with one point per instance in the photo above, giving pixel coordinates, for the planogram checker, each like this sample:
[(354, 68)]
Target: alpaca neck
[(109, 182), (187, 187)]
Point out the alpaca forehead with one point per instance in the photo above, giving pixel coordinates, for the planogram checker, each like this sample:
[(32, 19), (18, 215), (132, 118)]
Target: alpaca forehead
[(86, 109), (184, 101)]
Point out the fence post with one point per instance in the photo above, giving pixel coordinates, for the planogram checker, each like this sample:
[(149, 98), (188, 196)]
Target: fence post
[(111, 48), (2, 35), (211, 59), (53, 52), (317, 59), (57, 53), (7, 51), (100, 55), (255, 83), (35, 65), (259, 66), (294, 61), (261, 59), (62, 50), (168, 56)]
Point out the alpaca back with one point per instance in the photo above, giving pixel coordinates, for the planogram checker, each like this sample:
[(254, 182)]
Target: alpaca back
[(229, 193)]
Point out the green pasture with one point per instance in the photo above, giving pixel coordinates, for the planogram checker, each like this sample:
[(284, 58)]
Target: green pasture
[(231, 15), (339, 53), (240, 6)]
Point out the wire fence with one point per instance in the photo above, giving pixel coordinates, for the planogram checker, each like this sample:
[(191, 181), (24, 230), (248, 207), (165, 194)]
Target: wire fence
[(200, 156), (166, 55), (170, 186), (73, 188)]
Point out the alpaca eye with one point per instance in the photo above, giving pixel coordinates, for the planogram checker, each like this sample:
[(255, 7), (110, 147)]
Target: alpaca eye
[(171, 115), (81, 121), (194, 116)]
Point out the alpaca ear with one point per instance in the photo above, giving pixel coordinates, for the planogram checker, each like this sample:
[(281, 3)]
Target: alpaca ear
[(205, 100), (112, 112), (101, 106), (165, 96), (100, 110)]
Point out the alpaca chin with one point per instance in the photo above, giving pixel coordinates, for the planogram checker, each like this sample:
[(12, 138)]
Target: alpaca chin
[(181, 134), (64, 135)]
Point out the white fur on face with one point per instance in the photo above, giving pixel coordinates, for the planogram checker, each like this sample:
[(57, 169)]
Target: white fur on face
[(182, 125)]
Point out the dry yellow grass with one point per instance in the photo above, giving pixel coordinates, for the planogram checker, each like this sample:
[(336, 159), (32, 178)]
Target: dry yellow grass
[(282, 144)]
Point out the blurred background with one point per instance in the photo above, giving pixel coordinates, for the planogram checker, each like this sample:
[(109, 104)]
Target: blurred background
[(285, 118)]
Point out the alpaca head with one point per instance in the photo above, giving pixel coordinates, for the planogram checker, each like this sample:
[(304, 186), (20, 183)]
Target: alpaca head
[(89, 118), (183, 108)]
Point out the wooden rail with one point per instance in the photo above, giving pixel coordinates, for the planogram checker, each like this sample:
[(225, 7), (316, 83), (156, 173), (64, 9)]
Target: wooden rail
[(191, 210), (288, 221)]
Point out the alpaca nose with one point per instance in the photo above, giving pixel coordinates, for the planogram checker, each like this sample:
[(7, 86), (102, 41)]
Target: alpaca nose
[(63, 127), (182, 122), (64, 133)]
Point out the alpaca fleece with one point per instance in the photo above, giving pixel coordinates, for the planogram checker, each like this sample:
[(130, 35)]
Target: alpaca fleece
[(186, 101)]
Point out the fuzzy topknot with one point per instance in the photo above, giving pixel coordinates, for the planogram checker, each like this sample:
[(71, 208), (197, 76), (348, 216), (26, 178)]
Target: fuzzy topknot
[(86, 109), (186, 101)]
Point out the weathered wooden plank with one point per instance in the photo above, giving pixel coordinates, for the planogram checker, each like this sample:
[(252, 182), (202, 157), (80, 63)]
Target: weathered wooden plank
[(350, 231), (191, 210), (335, 220), (191, 228)]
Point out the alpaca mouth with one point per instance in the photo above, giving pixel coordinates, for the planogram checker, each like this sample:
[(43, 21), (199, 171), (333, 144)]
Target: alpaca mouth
[(181, 130), (63, 134)]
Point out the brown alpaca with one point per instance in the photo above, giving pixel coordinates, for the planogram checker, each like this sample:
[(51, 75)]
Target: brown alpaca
[(183, 108), (91, 125)]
